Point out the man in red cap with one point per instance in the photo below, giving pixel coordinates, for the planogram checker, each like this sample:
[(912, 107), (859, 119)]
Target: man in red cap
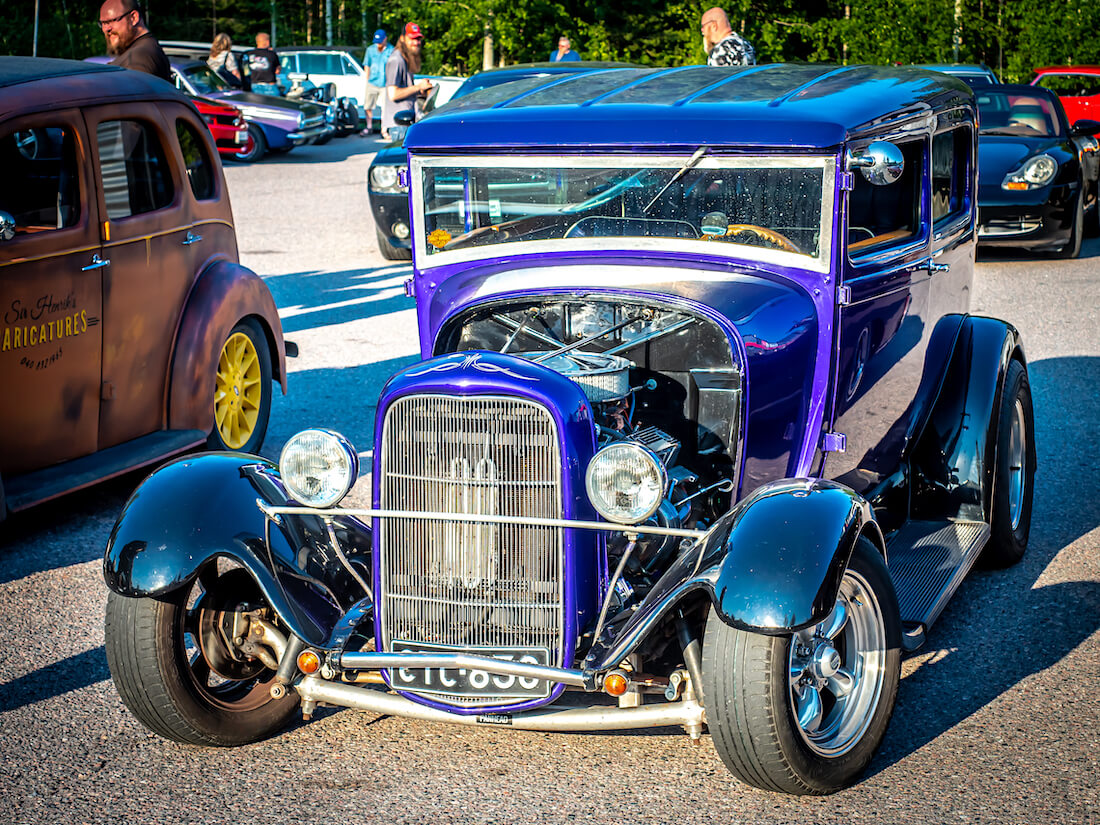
[(402, 88)]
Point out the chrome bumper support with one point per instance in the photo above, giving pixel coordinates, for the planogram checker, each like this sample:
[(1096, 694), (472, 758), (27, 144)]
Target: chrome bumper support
[(686, 712)]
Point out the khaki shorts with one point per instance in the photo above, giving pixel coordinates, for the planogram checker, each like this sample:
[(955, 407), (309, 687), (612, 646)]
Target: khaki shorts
[(371, 98)]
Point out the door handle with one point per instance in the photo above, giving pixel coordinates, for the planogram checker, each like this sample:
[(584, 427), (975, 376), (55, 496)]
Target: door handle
[(191, 238), (934, 267), (97, 263)]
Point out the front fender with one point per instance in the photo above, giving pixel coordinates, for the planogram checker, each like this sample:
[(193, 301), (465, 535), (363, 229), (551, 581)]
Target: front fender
[(198, 508), (772, 565), (224, 294)]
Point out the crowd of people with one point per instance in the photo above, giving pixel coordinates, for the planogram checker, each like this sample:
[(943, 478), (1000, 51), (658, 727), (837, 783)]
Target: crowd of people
[(391, 69)]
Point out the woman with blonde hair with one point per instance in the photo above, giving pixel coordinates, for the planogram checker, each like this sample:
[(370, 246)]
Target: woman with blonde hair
[(223, 61)]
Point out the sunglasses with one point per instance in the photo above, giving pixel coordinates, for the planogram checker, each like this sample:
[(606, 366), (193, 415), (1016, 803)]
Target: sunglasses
[(105, 23)]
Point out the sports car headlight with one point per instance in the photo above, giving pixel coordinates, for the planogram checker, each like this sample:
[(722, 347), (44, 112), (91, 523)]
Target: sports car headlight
[(385, 177), (626, 482), (318, 467), (1037, 171)]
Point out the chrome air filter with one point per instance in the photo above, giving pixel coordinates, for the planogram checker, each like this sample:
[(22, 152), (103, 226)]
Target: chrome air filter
[(602, 377)]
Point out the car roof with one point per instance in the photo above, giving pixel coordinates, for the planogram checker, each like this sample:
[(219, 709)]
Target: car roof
[(1007, 89), (1068, 70), (348, 49), (794, 105), (34, 83)]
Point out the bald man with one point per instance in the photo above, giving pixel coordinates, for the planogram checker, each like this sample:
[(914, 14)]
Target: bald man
[(263, 66), (724, 46), (129, 40)]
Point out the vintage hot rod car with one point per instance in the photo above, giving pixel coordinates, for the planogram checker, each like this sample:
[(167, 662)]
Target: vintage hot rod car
[(704, 435)]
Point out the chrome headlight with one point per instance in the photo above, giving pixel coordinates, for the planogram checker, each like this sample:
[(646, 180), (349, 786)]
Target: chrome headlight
[(626, 482), (301, 119), (386, 177), (1037, 171), (318, 467)]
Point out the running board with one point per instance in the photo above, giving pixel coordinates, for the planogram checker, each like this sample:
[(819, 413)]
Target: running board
[(928, 560)]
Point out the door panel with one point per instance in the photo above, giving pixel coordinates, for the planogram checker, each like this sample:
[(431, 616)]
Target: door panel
[(50, 310)]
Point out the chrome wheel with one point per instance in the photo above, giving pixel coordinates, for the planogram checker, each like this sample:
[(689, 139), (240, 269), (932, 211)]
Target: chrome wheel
[(837, 670), (1017, 457)]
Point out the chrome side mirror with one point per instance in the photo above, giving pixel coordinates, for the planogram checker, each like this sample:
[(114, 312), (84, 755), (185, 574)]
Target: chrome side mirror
[(881, 163), (7, 227)]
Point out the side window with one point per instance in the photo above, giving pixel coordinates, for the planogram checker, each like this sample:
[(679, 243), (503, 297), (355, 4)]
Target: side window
[(309, 63), (950, 175), (41, 187), (881, 216), (136, 178), (200, 171)]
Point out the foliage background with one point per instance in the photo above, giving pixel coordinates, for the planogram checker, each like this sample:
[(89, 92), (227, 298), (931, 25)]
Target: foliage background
[(1012, 36)]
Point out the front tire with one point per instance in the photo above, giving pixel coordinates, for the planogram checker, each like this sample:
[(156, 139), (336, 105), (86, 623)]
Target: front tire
[(1014, 474), (242, 390), (165, 656), (804, 713), (1072, 249), (389, 251), (256, 147)]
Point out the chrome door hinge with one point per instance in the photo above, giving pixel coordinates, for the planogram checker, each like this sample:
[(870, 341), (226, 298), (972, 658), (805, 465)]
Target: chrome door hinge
[(847, 181), (834, 442), (409, 288), (844, 295)]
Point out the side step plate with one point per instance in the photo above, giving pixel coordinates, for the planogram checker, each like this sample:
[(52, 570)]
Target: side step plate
[(928, 560)]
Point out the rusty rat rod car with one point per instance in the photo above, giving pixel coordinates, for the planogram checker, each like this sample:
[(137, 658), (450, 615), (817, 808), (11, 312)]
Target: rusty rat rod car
[(704, 435)]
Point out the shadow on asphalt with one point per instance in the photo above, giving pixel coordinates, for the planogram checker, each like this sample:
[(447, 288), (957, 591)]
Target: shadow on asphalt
[(309, 300), (1090, 248)]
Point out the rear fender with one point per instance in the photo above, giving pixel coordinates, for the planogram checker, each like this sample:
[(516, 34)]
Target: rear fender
[(224, 294), (954, 457), (196, 509), (772, 565)]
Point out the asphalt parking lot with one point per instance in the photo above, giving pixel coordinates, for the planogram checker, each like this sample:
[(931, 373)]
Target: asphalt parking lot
[(997, 715)]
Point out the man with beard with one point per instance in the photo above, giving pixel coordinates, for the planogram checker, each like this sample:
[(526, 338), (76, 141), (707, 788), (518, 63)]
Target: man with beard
[(402, 89), (723, 45), (129, 41)]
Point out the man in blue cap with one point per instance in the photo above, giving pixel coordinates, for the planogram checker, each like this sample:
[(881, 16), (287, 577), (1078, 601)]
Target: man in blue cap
[(375, 63)]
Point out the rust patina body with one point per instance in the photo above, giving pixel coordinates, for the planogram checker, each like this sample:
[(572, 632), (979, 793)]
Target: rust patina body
[(97, 355)]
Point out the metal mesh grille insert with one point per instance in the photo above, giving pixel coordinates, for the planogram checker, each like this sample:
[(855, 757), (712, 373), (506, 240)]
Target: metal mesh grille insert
[(471, 585)]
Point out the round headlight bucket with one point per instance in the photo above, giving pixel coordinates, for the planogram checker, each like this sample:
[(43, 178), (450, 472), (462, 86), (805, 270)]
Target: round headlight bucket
[(318, 467), (626, 483), (384, 176)]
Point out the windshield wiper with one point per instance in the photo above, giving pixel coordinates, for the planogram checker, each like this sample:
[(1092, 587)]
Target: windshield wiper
[(692, 162)]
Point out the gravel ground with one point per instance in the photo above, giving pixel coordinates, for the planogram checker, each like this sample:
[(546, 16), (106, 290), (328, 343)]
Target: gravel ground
[(996, 719)]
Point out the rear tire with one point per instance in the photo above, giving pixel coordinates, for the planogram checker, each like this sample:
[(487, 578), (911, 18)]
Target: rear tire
[(804, 713), (1014, 473), (389, 251), (165, 678)]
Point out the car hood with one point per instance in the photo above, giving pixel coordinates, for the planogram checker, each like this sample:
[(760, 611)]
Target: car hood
[(998, 155), (270, 102)]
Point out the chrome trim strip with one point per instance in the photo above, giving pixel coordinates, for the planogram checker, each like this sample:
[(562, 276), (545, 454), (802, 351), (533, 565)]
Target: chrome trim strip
[(423, 661), (640, 529), (549, 719)]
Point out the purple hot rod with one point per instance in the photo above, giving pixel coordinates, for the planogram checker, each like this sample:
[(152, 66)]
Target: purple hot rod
[(704, 436)]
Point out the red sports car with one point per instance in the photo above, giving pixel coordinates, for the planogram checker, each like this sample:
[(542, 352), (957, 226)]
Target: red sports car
[(226, 124), (1078, 87)]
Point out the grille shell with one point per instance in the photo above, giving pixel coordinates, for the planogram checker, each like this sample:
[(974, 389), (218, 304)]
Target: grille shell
[(467, 585)]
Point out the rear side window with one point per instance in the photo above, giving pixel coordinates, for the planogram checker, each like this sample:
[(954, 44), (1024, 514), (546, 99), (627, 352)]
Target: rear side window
[(41, 188), (1072, 85), (880, 216), (136, 178), (950, 175), (200, 170)]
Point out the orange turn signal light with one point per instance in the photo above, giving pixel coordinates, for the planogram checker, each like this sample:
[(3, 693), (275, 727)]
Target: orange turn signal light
[(1016, 185), (615, 684), (309, 661)]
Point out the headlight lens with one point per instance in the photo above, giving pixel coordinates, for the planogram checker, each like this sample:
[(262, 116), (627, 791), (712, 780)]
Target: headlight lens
[(1037, 171), (385, 176), (318, 467), (626, 482)]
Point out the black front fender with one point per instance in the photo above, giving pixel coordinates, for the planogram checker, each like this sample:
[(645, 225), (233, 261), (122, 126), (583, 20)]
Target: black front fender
[(772, 565), (199, 508)]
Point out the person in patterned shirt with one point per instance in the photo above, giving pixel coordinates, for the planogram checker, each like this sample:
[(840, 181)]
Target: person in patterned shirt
[(723, 45)]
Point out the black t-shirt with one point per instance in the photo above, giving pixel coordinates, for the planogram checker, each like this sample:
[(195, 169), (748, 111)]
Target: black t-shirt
[(146, 55), (261, 65)]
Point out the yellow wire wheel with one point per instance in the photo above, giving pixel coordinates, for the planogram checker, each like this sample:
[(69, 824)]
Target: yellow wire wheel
[(242, 390)]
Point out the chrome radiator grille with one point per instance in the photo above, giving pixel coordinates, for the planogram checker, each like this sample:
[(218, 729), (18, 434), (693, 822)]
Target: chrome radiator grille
[(470, 585)]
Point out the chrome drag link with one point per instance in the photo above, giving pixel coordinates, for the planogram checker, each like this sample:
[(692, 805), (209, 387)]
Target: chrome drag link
[(417, 661), (687, 713)]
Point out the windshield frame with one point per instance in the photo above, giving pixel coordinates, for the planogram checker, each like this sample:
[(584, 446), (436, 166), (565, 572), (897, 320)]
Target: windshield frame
[(822, 262)]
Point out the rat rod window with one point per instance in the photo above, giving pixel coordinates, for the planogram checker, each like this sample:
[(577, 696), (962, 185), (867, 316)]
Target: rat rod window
[(776, 209)]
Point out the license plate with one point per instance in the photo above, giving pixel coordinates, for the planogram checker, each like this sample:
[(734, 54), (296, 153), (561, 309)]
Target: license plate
[(242, 137), (467, 682)]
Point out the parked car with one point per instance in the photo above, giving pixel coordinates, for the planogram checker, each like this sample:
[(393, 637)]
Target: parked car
[(327, 64), (387, 189), (274, 123), (972, 74), (128, 331), (703, 433), (226, 124), (1078, 87), (1036, 182)]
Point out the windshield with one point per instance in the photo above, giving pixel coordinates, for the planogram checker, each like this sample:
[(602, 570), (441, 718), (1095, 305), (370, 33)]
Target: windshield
[(1018, 115), (747, 207), (204, 80)]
